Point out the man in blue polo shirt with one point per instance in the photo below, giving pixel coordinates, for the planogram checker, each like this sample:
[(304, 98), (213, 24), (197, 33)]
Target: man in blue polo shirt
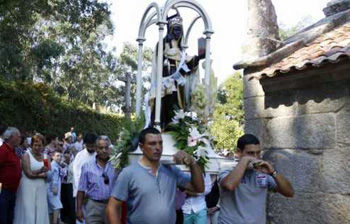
[(149, 187), (243, 190)]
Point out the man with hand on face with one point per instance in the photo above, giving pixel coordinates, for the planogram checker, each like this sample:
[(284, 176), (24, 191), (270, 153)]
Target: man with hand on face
[(244, 189), (84, 156), (149, 187), (96, 181)]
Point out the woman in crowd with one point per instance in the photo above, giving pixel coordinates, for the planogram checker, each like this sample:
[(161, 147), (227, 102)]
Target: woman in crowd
[(54, 187), (31, 202)]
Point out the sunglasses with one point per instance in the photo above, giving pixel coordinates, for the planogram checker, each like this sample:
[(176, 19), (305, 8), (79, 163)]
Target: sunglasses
[(105, 178)]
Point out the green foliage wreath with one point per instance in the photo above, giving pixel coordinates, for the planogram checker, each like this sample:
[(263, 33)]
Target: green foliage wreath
[(127, 142)]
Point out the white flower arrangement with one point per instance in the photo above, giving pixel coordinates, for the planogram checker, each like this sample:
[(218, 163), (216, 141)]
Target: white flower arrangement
[(190, 136)]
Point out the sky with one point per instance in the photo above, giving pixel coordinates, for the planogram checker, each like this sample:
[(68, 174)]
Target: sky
[(229, 21)]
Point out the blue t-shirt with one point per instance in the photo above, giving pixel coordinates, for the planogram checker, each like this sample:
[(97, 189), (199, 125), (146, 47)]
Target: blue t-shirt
[(150, 199), (247, 203)]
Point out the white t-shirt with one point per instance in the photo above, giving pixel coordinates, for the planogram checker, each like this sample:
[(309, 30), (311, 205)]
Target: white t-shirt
[(197, 204), (80, 159), (78, 145)]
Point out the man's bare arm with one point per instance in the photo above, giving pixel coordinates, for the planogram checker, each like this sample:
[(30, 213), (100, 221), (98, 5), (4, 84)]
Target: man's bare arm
[(283, 186), (113, 210), (197, 183), (80, 198), (233, 179)]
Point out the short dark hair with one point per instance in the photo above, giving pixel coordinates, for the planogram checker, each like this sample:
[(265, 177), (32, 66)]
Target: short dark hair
[(247, 139), (90, 138), (144, 132)]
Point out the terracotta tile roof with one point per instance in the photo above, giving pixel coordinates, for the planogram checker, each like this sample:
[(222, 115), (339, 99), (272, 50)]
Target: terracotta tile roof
[(328, 48)]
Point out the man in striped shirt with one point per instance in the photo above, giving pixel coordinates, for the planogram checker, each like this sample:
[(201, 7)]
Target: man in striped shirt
[(96, 181)]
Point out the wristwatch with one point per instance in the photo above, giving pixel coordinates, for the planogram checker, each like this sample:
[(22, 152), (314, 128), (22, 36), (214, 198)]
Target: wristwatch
[(274, 174)]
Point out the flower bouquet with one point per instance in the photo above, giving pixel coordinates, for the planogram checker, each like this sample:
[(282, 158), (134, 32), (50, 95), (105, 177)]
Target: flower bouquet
[(190, 136)]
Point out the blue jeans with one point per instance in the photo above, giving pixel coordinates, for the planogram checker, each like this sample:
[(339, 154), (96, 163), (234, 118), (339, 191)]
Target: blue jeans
[(196, 218), (7, 205)]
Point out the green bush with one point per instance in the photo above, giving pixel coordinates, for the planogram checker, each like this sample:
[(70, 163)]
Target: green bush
[(34, 106)]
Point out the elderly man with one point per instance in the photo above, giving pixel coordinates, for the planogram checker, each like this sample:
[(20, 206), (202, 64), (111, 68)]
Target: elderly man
[(244, 189), (96, 181), (149, 188), (10, 174)]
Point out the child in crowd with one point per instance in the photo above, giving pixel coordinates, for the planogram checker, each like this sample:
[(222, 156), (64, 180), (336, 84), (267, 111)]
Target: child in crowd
[(54, 188)]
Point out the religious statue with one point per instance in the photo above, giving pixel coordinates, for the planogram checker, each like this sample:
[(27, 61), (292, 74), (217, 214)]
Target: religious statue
[(180, 74)]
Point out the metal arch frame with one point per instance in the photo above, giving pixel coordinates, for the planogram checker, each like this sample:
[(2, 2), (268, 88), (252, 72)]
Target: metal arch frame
[(185, 42), (142, 28), (161, 14), (192, 4), (141, 38)]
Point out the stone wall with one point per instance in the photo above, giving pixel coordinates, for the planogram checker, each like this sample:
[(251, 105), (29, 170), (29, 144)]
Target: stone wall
[(305, 133)]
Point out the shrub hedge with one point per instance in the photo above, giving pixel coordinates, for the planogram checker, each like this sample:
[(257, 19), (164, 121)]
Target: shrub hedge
[(34, 106)]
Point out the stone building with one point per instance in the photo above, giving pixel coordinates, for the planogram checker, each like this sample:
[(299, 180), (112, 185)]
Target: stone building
[(297, 101)]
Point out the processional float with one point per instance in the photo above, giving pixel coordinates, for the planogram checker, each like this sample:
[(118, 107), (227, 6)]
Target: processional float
[(155, 15)]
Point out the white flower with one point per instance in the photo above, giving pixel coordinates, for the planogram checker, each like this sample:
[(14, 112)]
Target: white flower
[(194, 133), (194, 137), (180, 114), (119, 155), (200, 152), (191, 141)]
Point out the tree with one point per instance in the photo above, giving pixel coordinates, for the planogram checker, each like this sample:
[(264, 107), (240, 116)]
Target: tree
[(17, 18), (228, 117), (127, 63), (286, 32), (60, 43)]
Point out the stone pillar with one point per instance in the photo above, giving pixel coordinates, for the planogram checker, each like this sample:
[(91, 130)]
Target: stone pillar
[(263, 32), (305, 134)]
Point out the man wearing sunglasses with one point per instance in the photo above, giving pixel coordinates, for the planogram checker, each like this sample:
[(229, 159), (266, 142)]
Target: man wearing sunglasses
[(96, 180), (149, 187)]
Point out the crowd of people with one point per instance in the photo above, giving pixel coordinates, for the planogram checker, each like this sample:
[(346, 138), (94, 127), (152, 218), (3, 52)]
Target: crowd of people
[(47, 180), (40, 175)]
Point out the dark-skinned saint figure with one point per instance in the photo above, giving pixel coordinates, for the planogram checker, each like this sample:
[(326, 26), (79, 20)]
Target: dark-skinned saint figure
[(180, 74)]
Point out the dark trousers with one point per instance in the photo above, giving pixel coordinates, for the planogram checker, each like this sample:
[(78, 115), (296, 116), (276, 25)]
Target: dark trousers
[(7, 206), (68, 203), (179, 216)]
